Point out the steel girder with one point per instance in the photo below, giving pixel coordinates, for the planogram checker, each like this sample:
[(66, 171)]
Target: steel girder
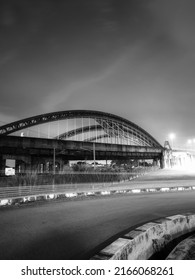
[(93, 139), (77, 131), (112, 125)]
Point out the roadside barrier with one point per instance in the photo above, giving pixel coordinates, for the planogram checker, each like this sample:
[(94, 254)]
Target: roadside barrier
[(23, 194), (185, 250), (144, 241)]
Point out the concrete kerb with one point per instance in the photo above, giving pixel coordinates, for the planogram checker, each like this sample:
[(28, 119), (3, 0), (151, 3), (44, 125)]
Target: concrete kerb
[(77, 193), (142, 242), (185, 250)]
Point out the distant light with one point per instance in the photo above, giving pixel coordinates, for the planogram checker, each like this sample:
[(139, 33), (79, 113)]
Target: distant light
[(194, 140), (172, 136), (189, 141)]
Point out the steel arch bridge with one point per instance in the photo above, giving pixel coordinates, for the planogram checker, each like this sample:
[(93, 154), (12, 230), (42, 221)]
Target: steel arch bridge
[(86, 126)]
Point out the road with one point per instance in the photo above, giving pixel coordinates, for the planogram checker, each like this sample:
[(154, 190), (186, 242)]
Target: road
[(76, 229)]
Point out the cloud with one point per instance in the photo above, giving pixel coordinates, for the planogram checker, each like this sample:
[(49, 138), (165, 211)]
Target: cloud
[(58, 99)]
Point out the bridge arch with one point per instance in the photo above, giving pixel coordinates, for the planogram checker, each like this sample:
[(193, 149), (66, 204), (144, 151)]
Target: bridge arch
[(103, 127)]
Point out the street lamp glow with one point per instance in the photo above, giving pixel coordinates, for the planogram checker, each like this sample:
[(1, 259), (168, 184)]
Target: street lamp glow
[(189, 141), (172, 136)]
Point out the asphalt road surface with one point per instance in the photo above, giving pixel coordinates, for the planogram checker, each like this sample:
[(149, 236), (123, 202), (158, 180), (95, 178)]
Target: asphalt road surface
[(77, 229)]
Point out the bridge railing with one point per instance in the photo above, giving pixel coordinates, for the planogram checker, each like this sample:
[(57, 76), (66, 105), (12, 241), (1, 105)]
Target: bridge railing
[(18, 186)]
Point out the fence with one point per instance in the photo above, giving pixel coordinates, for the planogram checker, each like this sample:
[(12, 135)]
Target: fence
[(34, 184)]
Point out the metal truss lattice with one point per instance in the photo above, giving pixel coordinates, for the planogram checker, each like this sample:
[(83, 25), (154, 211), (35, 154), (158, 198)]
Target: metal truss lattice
[(83, 125)]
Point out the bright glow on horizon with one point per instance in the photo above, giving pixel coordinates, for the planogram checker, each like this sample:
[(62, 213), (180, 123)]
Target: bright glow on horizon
[(172, 136), (189, 141)]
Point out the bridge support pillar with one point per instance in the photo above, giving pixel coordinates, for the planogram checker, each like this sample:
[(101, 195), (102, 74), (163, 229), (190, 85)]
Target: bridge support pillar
[(2, 166), (167, 157), (163, 160), (155, 162), (28, 165)]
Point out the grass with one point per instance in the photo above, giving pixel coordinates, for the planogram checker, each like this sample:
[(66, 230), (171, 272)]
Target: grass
[(33, 178)]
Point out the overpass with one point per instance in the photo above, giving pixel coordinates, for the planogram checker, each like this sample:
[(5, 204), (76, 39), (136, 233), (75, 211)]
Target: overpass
[(37, 142), (34, 151), (74, 135)]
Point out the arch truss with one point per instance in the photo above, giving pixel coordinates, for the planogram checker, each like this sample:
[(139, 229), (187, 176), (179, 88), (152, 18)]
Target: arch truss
[(82, 125)]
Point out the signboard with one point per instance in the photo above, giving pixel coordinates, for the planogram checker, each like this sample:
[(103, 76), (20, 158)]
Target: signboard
[(9, 171), (10, 167)]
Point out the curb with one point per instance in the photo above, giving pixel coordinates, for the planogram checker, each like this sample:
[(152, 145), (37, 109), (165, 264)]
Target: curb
[(142, 242), (185, 250), (50, 196)]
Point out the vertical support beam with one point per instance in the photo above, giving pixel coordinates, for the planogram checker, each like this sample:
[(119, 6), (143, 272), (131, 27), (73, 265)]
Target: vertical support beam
[(107, 129), (94, 154), (123, 131), (28, 164), (58, 133), (162, 161), (2, 165), (96, 130), (54, 166), (89, 130), (112, 132), (82, 130), (119, 134), (155, 162), (54, 161), (48, 130), (75, 127)]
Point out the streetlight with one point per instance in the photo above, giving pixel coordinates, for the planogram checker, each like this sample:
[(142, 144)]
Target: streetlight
[(172, 137), (189, 141)]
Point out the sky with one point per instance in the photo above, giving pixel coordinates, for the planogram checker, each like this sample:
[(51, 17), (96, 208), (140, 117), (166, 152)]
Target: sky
[(132, 58)]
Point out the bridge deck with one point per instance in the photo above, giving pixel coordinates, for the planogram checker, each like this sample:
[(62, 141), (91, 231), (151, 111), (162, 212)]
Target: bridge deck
[(79, 150)]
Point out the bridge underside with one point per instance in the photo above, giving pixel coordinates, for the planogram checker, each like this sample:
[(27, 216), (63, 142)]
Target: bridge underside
[(74, 135), (34, 151), (73, 149)]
